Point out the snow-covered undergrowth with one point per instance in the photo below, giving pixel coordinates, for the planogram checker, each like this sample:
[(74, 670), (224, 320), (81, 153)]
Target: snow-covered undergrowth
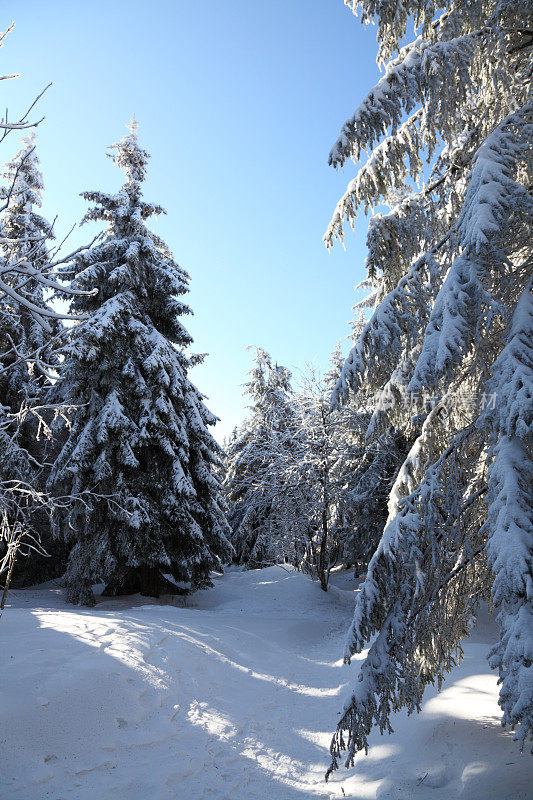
[(231, 694)]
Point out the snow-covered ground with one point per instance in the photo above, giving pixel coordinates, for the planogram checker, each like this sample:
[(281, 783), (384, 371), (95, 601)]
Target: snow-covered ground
[(232, 693)]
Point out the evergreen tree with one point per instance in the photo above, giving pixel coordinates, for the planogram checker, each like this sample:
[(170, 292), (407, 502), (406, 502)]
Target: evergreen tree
[(252, 485), (24, 345), (26, 273), (24, 242), (447, 350), (140, 440)]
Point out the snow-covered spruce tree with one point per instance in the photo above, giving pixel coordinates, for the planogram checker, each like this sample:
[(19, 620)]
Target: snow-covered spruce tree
[(450, 265), (140, 438), (252, 486), (24, 240), (24, 247), (20, 278), (26, 237)]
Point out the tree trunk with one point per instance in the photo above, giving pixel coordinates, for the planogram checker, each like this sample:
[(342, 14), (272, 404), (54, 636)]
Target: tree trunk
[(324, 555), (149, 577), (12, 559)]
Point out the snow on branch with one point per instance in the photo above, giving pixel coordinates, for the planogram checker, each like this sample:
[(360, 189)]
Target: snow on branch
[(438, 76), (393, 18), (423, 549), (509, 523), (450, 266), (393, 325), (496, 209)]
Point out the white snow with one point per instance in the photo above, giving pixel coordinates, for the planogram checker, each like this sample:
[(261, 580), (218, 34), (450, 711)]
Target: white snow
[(230, 693)]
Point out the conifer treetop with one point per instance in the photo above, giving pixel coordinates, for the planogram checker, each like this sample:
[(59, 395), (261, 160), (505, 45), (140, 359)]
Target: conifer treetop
[(25, 231)]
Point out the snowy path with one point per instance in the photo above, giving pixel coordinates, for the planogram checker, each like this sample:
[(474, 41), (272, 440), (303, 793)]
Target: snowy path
[(233, 696)]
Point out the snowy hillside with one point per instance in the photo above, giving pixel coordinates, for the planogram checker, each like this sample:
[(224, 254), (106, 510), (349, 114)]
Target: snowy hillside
[(234, 694)]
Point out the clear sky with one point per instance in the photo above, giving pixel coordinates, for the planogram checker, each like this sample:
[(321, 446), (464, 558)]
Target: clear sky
[(238, 104)]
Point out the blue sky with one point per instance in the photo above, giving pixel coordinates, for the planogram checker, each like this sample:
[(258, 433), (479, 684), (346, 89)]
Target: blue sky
[(238, 104)]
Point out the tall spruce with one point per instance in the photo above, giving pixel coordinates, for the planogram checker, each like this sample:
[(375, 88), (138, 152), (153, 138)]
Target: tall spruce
[(26, 275), (24, 344), (252, 484), (140, 440), (447, 352), (24, 245)]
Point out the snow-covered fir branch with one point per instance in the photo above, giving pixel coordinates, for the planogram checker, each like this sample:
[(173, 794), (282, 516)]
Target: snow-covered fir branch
[(445, 354)]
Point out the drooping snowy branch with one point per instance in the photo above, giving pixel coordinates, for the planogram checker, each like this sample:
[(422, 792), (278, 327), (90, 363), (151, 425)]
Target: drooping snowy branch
[(509, 523), (449, 268)]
